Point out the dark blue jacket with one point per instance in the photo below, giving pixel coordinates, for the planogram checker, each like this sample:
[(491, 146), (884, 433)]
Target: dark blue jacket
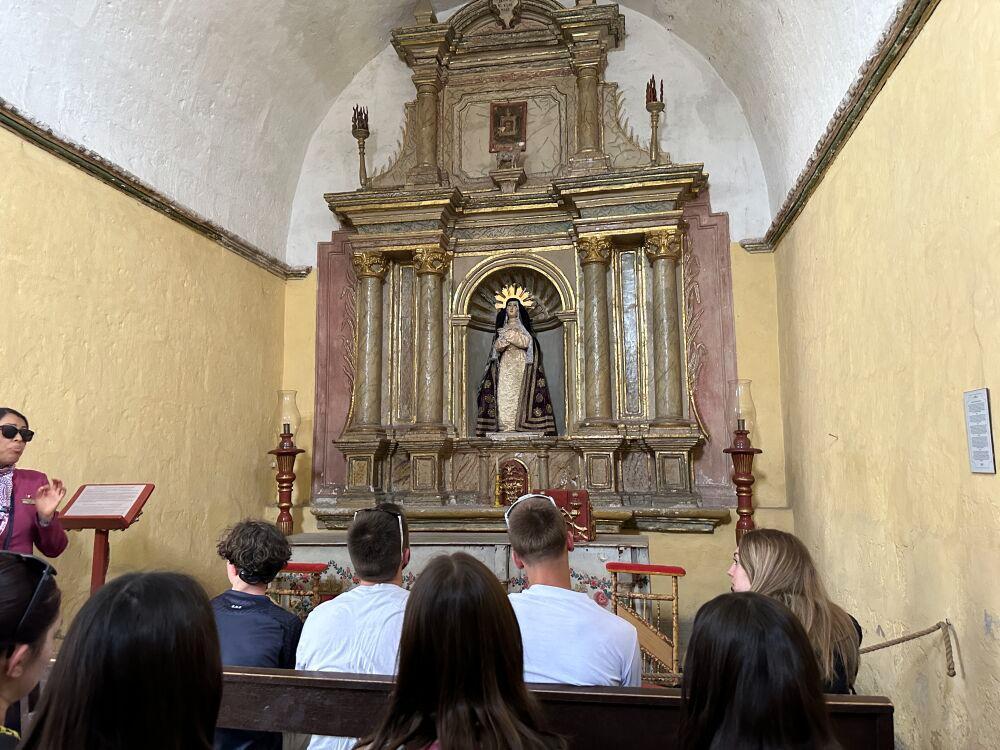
[(254, 632)]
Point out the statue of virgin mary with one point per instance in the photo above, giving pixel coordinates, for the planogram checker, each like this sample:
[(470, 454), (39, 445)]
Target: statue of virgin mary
[(514, 394)]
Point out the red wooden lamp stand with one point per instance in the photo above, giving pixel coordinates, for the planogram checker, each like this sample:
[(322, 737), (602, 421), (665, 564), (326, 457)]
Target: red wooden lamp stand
[(742, 453), (285, 455)]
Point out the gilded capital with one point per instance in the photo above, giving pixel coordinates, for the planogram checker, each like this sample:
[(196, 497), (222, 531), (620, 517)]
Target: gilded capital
[(370, 264), (431, 260), (667, 244), (594, 250)]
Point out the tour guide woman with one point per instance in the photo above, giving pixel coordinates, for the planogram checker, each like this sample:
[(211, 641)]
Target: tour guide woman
[(28, 501)]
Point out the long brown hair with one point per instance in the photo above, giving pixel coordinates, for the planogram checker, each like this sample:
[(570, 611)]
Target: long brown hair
[(779, 565), (461, 668)]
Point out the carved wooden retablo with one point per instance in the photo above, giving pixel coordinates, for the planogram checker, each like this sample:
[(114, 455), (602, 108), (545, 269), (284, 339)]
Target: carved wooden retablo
[(582, 219)]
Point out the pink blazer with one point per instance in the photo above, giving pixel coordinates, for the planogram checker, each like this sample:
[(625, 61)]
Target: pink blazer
[(25, 531)]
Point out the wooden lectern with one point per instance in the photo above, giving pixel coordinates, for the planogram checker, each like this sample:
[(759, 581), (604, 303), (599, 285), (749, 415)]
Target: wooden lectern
[(104, 508)]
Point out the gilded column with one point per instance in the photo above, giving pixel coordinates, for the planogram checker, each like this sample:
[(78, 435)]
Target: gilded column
[(431, 265), (588, 120), (370, 269), (664, 250), (595, 254), (427, 80)]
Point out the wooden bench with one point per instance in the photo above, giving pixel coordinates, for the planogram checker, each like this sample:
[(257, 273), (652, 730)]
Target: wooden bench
[(590, 717)]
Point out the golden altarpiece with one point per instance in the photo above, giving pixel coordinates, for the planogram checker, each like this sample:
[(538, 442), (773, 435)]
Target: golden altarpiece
[(517, 171)]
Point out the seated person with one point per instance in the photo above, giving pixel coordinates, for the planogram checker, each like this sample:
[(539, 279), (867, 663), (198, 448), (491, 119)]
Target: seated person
[(777, 564), (460, 681), (751, 680), (568, 638), (29, 617), (139, 668), (253, 630), (358, 631)]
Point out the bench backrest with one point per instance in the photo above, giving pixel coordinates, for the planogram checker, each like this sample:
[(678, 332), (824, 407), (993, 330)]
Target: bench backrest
[(590, 717)]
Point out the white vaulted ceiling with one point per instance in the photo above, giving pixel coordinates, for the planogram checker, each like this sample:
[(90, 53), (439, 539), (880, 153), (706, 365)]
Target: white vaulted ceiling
[(215, 103)]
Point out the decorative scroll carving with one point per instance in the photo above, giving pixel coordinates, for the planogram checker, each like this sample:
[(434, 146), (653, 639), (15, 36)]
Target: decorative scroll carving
[(508, 11), (621, 144), (594, 250), (369, 264), (431, 260), (665, 245), (694, 350)]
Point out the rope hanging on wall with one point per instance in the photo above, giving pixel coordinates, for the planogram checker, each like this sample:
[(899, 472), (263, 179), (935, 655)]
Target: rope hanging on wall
[(943, 626)]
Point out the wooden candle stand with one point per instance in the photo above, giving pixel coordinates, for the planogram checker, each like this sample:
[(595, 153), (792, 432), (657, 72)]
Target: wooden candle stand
[(285, 455), (742, 453)]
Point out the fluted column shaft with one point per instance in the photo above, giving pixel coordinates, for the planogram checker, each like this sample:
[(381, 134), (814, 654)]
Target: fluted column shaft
[(370, 269), (427, 83), (595, 254), (587, 65), (431, 265), (664, 250)]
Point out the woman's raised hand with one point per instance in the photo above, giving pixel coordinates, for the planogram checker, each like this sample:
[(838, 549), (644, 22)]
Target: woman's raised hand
[(48, 498)]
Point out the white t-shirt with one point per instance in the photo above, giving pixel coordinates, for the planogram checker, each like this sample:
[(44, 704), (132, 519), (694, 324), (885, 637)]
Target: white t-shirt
[(357, 631), (569, 639)]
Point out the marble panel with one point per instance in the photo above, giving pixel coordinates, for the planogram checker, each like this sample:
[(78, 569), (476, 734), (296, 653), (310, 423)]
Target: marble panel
[(405, 339), (400, 466), (465, 472), (636, 474), (564, 470), (630, 333)]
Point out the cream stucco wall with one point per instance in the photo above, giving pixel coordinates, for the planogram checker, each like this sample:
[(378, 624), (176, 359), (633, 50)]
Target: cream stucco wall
[(889, 308), (141, 352)]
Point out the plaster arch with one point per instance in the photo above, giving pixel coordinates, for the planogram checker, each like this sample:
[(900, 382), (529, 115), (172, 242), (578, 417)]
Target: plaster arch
[(221, 111)]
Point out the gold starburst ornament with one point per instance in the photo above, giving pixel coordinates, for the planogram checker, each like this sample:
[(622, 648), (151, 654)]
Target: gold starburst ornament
[(509, 292)]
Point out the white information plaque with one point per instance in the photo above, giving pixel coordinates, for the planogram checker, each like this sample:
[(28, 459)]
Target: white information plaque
[(979, 431)]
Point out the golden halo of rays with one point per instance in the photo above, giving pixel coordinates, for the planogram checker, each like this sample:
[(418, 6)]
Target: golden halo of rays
[(513, 292)]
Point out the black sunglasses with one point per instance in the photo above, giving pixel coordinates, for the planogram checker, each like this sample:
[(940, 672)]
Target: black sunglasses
[(11, 431), (46, 571)]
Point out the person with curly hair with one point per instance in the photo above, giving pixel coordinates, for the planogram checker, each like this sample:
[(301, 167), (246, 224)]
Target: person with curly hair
[(253, 630)]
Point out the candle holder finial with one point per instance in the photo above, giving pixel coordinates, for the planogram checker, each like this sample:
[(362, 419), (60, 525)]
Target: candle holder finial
[(359, 129), (655, 107)]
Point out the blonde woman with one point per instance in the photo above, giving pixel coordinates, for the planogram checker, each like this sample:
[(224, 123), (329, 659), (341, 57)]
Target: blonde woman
[(777, 564)]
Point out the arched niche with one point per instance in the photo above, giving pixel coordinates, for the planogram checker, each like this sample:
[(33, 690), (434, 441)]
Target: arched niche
[(554, 320)]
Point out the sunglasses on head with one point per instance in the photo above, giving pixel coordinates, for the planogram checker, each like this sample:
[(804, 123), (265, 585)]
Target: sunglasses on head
[(506, 513), (398, 516), (10, 431), (46, 571)]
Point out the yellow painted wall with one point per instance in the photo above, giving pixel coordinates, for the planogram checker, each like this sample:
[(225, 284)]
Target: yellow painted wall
[(141, 352), (756, 317), (889, 308), (299, 374)]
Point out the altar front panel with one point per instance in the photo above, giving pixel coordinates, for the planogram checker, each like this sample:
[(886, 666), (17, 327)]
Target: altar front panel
[(587, 561)]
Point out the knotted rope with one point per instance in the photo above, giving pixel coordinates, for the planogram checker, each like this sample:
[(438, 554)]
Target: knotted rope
[(943, 626)]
